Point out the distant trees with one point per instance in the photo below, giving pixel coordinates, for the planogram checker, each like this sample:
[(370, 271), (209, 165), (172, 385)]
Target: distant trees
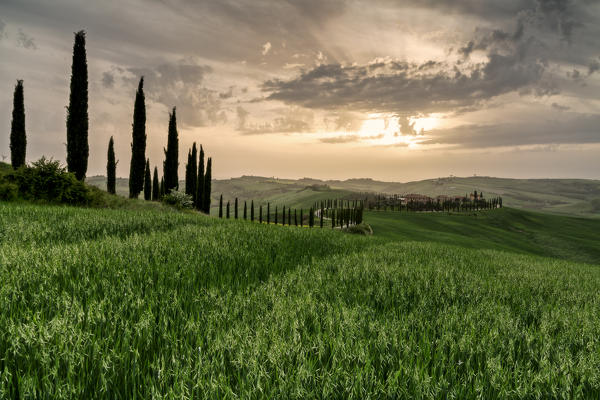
[(77, 111), (147, 182), (155, 186), (138, 143), (18, 140), (111, 168), (171, 155)]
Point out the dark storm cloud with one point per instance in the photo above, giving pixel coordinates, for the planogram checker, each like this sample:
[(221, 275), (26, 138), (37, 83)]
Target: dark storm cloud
[(572, 129), (408, 90)]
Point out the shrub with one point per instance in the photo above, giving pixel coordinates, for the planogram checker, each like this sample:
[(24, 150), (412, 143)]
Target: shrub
[(47, 180), (361, 229), (8, 191), (179, 199)]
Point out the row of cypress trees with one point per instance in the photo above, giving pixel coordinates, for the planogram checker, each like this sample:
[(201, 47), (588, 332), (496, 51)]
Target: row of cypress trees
[(77, 116), (197, 181), (77, 139), (339, 217)]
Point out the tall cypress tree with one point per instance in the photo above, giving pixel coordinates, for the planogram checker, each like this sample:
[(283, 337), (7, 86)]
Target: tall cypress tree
[(236, 208), (194, 172), (221, 206), (321, 216), (268, 213), (228, 209), (162, 187), (147, 182), (301, 219), (252, 211), (138, 144), (199, 199), (289, 216), (188, 175), (295, 218), (283, 216), (18, 140), (111, 167), (207, 186), (77, 111), (245, 210), (155, 186), (260, 213), (171, 162), (275, 215)]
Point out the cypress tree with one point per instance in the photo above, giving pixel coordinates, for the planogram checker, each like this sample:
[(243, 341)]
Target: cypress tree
[(295, 218), (171, 162), (260, 214), (227, 209), (301, 219), (236, 208), (275, 215), (245, 210), (188, 165), (155, 186), (77, 111), (138, 144), (207, 186), (289, 214), (199, 200), (332, 219), (221, 206), (111, 167), (268, 213), (162, 187), (147, 182), (194, 173), (252, 211), (18, 140), (283, 217), (311, 218)]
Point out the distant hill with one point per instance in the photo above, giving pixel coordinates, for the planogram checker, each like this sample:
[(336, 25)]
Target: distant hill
[(563, 196)]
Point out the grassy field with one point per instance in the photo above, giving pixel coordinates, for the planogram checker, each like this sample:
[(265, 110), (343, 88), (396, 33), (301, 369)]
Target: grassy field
[(147, 304), (561, 196)]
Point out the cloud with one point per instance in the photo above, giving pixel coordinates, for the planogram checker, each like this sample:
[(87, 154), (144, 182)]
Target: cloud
[(560, 107), (289, 120), (405, 89), (407, 128), (181, 84), (2, 29), (572, 129), (108, 80), (265, 48), (349, 138), (25, 41)]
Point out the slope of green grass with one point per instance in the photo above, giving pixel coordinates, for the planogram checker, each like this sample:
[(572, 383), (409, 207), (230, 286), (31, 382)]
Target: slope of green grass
[(139, 304), (569, 238)]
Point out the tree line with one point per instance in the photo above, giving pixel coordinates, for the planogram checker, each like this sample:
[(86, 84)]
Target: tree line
[(467, 203), (198, 181), (339, 213)]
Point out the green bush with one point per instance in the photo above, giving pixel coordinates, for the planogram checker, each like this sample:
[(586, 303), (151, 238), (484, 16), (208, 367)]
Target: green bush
[(8, 190), (361, 229), (46, 180), (179, 199)]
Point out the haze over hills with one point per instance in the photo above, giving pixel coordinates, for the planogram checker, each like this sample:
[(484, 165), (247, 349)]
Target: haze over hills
[(563, 196)]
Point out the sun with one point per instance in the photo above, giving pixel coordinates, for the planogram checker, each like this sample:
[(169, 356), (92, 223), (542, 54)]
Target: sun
[(389, 129)]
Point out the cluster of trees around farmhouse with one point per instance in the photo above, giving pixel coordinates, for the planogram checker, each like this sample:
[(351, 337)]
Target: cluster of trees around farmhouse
[(338, 213), (141, 178), (414, 202)]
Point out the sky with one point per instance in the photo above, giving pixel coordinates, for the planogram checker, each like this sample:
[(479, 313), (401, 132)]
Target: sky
[(329, 89)]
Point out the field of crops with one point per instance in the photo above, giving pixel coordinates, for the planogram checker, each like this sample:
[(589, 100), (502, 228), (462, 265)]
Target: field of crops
[(150, 304)]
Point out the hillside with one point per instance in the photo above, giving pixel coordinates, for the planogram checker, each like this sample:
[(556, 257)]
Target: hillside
[(122, 304), (561, 196)]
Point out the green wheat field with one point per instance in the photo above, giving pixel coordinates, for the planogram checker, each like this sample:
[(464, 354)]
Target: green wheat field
[(151, 304)]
